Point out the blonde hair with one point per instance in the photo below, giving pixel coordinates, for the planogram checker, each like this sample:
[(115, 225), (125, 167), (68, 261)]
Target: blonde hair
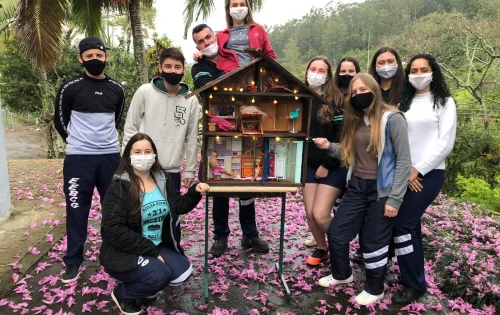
[(248, 19), (352, 119), (212, 162)]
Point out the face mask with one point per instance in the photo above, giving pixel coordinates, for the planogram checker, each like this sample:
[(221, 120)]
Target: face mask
[(387, 72), (172, 78), (239, 13), (211, 50), (142, 163), (344, 80), (94, 66), (420, 82), (315, 80), (362, 101)]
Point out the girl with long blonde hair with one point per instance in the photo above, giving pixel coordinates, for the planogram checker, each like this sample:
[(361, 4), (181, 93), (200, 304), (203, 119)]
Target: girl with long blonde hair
[(375, 148)]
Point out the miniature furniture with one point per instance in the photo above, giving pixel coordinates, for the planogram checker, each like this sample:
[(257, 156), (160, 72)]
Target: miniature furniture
[(270, 140)]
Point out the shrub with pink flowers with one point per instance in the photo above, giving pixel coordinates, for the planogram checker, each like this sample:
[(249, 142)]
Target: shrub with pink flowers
[(466, 250)]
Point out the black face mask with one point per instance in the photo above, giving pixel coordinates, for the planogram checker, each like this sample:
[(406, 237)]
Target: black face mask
[(362, 101), (344, 80), (94, 66), (172, 78)]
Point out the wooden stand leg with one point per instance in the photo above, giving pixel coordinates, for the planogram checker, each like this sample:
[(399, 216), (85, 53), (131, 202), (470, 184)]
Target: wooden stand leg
[(205, 272), (279, 265)]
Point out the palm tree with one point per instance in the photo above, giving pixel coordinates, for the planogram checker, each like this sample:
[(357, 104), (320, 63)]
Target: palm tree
[(204, 8)]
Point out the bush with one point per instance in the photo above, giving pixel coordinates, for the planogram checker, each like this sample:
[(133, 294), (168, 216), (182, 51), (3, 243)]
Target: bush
[(479, 191)]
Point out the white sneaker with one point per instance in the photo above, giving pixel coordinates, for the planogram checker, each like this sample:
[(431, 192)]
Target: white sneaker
[(328, 281), (310, 242), (365, 298)]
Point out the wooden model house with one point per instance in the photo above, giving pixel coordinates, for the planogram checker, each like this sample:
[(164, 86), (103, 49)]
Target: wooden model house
[(257, 119)]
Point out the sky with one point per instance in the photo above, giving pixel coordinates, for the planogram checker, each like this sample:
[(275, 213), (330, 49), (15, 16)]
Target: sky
[(170, 20)]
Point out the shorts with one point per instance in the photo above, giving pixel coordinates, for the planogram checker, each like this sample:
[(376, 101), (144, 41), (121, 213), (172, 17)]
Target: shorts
[(337, 177)]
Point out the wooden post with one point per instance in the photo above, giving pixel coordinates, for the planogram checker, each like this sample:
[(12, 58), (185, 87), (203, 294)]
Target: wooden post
[(4, 176)]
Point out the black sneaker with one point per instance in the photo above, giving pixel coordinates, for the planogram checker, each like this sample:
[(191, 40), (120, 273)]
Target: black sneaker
[(317, 256), (358, 257), (219, 247), (256, 243), (71, 273), (127, 307), (147, 301), (394, 280), (407, 296)]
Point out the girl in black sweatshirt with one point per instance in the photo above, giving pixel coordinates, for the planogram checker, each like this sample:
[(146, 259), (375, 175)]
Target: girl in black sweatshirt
[(325, 178)]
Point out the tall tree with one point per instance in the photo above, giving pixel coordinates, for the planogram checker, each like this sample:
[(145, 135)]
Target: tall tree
[(138, 36)]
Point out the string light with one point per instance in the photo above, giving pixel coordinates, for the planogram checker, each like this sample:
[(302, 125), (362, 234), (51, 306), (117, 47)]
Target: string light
[(275, 102), (295, 91), (276, 79), (215, 88), (230, 89), (296, 97), (253, 100), (278, 139), (236, 137), (241, 89), (210, 96), (217, 137), (232, 98), (225, 89), (253, 82), (206, 111)]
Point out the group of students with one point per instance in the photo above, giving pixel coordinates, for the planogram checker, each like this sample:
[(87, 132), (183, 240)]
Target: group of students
[(392, 171)]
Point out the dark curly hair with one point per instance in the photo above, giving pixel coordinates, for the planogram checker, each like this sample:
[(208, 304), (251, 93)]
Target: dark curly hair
[(439, 89)]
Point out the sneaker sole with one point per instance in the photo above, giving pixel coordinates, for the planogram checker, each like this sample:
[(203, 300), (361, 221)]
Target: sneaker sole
[(118, 304), (245, 247), (312, 261), (70, 280), (380, 297)]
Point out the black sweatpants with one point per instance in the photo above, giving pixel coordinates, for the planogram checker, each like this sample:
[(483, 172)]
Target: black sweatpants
[(152, 275), (81, 174), (361, 209), (407, 230)]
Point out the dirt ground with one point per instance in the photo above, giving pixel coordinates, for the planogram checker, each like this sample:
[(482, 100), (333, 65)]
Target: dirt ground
[(25, 142)]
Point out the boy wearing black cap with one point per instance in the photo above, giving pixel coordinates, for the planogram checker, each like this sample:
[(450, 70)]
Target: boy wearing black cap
[(87, 109)]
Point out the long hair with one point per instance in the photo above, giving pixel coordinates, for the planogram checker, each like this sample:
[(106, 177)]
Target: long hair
[(439, 89), (330, 92), (397, 81), (352, 119), (212, 162), (336, 75), (136, 184), (248, 19)]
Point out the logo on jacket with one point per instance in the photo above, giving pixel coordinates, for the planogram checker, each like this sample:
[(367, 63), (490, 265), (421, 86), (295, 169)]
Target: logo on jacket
[(179, 115), (98, 93)]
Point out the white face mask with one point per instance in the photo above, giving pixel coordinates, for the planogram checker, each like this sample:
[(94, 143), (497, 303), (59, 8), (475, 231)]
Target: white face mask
[(239, 13), (211, 50), (387, 72), (420, 81), (315, 80), (142, 163)]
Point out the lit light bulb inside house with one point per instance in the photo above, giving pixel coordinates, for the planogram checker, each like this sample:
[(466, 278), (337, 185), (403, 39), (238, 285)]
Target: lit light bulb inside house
[(225, 89), (296, 97), (241, 89), (253, 82), (217, 137), (278, 139), (232, 98), (275, 102), (253, 100), (206, 111), (215, 88), (276, 79), (295, 91), (230, 89)]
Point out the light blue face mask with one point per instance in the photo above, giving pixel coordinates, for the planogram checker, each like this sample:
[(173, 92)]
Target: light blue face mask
[(387, 72)]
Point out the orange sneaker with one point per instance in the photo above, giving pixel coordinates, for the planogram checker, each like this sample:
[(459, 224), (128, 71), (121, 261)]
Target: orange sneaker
[(317, 256)]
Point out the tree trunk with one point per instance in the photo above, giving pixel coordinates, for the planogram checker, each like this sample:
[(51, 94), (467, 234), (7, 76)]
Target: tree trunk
[(139, 50), (55, 145)]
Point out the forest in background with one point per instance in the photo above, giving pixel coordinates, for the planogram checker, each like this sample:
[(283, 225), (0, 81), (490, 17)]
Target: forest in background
[(463, 35)]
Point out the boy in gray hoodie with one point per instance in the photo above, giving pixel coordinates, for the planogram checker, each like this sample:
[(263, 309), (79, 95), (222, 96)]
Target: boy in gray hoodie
[(160, 110)]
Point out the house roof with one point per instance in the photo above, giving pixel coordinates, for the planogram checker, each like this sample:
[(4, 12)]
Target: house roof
[(264, 61)]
